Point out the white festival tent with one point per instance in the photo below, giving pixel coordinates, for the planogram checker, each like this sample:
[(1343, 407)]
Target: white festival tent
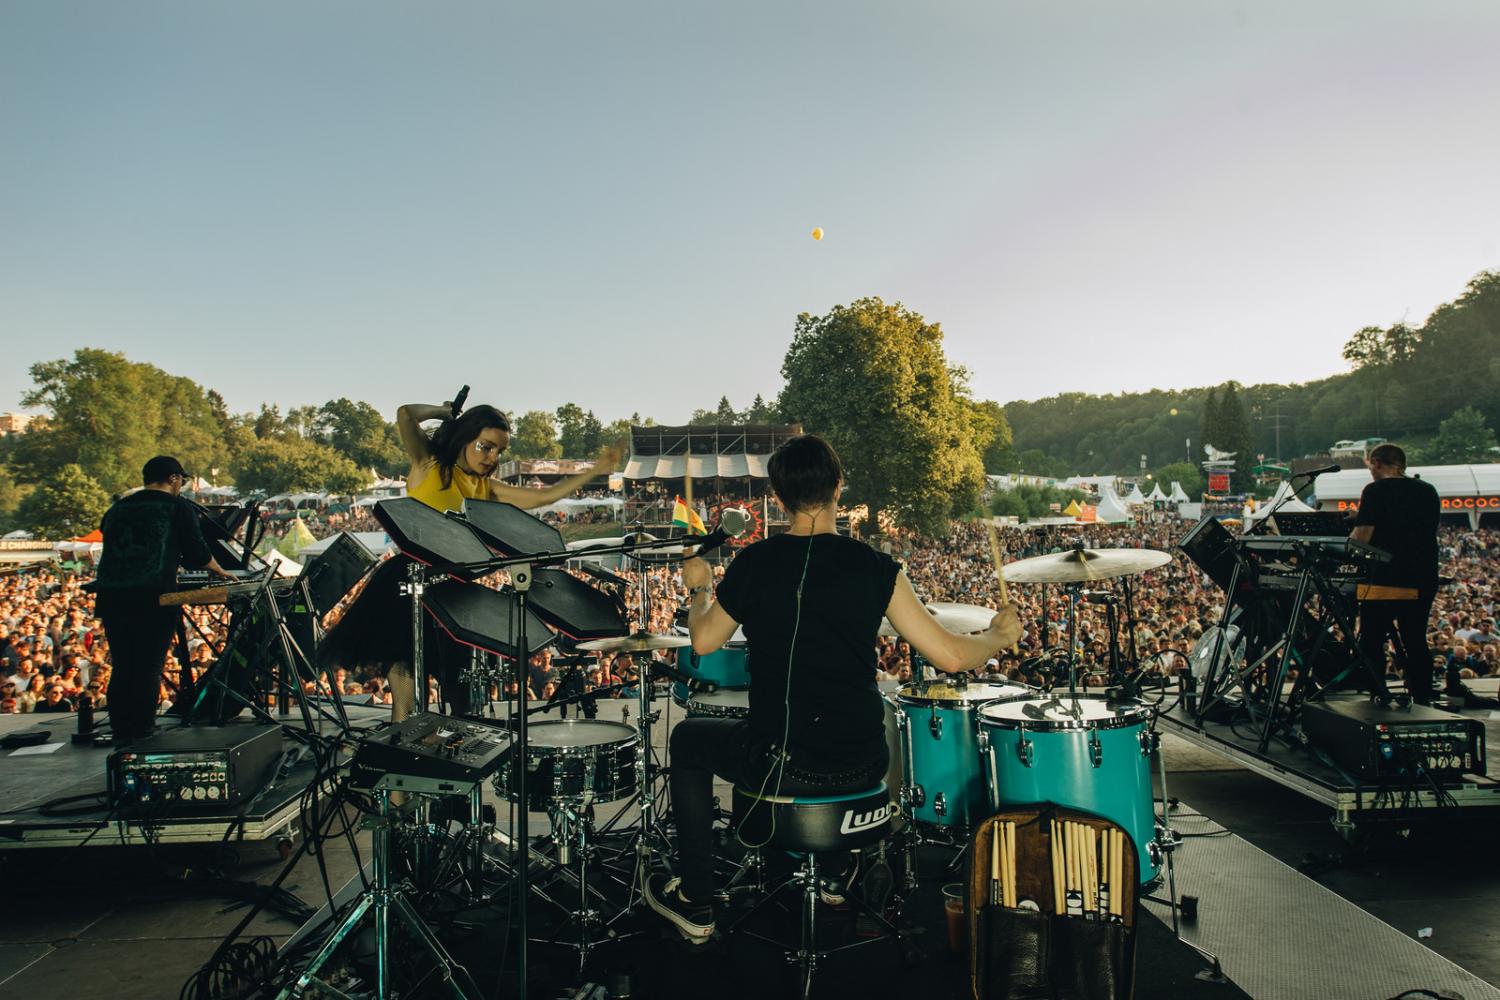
[(570, 504), (1110, 509), (281, 565), (1177, 495), (1156, 495), (1135, 497), (1279, 502)]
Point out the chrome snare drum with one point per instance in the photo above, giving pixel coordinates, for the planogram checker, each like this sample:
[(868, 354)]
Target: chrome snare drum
[(576, 762), (940, 748), (1090, 753)]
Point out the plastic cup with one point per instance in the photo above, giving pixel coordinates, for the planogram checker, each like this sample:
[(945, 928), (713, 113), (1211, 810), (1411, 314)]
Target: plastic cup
[(953, 909)]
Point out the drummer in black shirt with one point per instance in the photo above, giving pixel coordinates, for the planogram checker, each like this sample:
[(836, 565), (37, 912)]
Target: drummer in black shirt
[(810, 602), (1400, 515)]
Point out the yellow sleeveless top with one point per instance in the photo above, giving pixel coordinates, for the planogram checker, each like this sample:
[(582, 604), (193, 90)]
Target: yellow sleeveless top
[(464, 486)]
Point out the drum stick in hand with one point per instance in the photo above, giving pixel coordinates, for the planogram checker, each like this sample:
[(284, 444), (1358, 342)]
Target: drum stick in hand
[(1000, 573)]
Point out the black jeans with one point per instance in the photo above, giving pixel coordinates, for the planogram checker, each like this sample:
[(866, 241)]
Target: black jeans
[(139, 632), (702, 748), (1378, 620)]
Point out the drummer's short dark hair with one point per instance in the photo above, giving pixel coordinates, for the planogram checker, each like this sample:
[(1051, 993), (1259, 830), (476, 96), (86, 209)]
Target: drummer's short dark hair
[(805, 471), (1389, 454)]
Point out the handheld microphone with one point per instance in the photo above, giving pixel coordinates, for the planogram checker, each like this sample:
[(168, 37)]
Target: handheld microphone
[(733, 523), (458, 401)]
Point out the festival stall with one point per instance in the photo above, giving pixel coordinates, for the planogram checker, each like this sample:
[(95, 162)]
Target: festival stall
[(1471, 492)]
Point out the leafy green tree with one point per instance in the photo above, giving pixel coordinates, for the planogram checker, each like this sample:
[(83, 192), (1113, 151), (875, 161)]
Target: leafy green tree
[(108, 415), (293, 464), (1212, 431), (873, 379), (12, 494), (1463, 439), (1237, 438), (1185, 473), (357, 431), (591, 437), (268, 423), (998, 454), (570, 420), (68, 504), (760, 412), (535, 436)]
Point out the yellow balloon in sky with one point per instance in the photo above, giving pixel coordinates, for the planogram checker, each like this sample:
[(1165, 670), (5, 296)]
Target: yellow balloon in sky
[(817, 233)]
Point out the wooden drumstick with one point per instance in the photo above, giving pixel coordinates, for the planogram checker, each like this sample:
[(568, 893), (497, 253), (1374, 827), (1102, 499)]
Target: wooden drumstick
[(1000, 573), (1010, 863), (997, 892), (1118, 896), (1055, 849), (1091, 852)]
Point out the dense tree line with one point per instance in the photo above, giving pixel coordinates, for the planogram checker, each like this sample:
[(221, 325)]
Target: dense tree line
[(1405, 382)]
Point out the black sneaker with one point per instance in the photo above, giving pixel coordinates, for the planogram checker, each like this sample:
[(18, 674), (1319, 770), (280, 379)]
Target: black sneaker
[(832, 890), (695, 921)]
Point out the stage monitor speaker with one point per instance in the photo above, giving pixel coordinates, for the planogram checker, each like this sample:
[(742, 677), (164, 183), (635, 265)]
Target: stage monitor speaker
[(430, 537), (480, 617), (1211, 547), (333, 572)]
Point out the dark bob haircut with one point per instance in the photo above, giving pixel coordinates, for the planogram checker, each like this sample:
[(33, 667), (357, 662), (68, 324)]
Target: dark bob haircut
[(805, 471), (454, 435), (1389, 454)]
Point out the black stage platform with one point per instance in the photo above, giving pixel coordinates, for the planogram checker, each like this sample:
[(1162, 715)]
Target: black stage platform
[(126, 922)]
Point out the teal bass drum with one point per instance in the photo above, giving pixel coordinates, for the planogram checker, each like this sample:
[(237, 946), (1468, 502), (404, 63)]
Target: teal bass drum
[(1086, 753)]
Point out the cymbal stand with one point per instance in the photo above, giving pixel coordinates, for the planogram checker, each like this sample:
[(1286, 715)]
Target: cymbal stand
[(386, 899)]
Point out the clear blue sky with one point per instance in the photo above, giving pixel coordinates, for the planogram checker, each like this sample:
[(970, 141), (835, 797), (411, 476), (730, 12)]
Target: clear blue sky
[(294, 201)]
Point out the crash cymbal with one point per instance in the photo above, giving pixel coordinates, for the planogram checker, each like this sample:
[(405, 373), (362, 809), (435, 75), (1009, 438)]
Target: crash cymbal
[(961, 618), (1083, 565), (640, 642)]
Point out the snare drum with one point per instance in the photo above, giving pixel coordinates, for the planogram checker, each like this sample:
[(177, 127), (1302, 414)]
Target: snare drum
[(576, 762), (1095, 757), (940, 748), (712, 704), (726, 667)]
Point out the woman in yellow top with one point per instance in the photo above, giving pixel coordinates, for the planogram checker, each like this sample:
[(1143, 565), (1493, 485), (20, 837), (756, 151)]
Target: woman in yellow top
[(452, 464)]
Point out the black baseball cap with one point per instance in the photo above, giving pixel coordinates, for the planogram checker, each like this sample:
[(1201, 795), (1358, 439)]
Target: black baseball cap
[(160, 469)]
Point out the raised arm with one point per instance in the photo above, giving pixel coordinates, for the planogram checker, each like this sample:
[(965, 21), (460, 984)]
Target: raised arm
[(948, 651), (409, 420), (604, 464)]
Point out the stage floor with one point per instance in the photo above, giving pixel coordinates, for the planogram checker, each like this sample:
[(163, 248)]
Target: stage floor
[(124, 922)]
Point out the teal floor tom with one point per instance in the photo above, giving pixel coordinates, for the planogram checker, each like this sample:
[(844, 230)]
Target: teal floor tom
[(1088, 753)]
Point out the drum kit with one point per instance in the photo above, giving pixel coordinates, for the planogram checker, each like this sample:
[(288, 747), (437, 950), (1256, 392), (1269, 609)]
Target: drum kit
[(965, 746)]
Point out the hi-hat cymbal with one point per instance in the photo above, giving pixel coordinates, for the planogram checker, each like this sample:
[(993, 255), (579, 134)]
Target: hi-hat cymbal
[(961, 618), (640, 642), (1084, 565)]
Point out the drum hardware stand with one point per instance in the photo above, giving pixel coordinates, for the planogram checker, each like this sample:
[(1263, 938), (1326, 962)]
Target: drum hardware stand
[(386, 899), (1167, 842)]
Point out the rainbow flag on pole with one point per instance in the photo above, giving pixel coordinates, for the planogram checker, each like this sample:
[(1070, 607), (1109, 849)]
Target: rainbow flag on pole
[(684, 516)]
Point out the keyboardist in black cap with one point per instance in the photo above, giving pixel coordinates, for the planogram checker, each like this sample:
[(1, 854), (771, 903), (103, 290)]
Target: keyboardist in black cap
[(148, 534)]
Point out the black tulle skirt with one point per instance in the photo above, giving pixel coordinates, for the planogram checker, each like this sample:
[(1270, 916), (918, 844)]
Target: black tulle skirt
[(375, 630)]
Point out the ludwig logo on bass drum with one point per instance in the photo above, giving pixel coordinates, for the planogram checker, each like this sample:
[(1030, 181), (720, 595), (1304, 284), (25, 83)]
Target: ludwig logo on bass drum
[(853, 823)]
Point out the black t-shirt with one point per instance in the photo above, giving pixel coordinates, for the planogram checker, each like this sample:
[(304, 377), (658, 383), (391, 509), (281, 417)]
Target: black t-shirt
[(836, 718), (1404, 513), (147, 535)]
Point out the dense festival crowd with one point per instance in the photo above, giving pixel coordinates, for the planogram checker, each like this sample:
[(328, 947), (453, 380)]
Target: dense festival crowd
[(53, 653)]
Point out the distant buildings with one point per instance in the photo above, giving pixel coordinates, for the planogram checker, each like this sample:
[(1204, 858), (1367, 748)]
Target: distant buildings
[(15, 423)]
